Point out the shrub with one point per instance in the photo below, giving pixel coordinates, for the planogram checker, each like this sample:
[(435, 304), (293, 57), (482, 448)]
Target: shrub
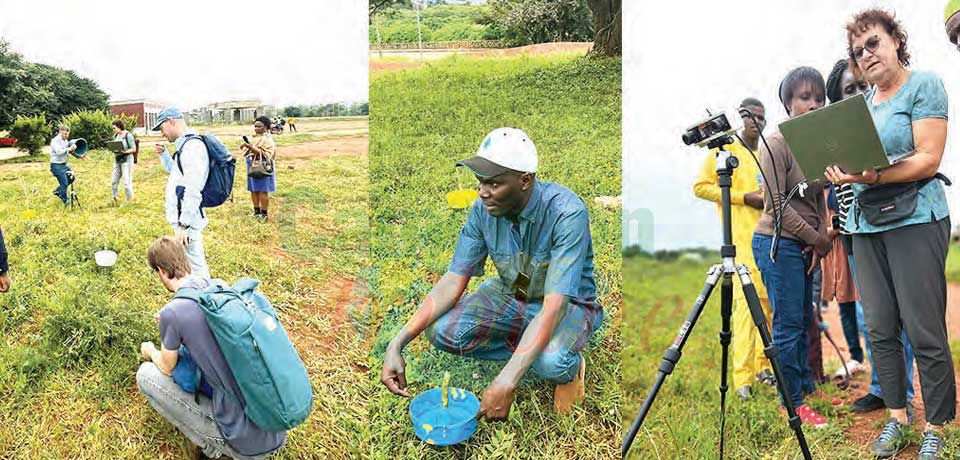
[(90, 331), (96, 126), (32, 133), (129, 121)]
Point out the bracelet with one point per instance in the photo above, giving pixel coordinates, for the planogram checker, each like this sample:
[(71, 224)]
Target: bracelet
[(879, 171)]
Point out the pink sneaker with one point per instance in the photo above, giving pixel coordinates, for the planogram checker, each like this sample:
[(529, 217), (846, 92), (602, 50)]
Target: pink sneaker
[(811, 417)]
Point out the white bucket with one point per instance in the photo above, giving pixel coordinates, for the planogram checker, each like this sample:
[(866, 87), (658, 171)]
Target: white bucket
[(105, 258)]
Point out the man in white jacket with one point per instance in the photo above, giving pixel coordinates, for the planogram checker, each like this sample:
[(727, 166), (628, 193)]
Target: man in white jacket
[(188, 168)]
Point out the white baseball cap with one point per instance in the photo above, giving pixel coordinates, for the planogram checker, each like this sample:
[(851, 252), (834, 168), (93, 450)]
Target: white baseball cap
[(503, 150)]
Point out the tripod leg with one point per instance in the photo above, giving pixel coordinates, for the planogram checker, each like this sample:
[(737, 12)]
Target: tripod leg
[(726, 311), (672, 356), (770, 350)]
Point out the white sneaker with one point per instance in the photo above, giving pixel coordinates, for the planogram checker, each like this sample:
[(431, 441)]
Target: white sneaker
[(853, 366)]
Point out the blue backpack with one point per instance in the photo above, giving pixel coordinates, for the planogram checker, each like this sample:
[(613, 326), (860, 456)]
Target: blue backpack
[(272, 379), (219, 183)]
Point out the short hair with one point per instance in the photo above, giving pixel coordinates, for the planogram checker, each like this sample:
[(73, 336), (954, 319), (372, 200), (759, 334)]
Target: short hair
[(834, 90), (751, 102), (170, 255), (265, 120), (64, 128), (794, 79), (119, 124), (866, 18)]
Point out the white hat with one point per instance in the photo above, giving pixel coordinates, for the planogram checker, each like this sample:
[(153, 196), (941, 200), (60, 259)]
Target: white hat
[(502, 150)]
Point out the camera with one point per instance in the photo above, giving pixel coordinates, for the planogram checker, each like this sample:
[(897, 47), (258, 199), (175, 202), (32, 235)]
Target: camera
[(71, 177), (714, 127)]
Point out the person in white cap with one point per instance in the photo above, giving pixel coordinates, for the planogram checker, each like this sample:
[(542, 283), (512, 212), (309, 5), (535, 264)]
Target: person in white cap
[(183, 192), (541, 310)]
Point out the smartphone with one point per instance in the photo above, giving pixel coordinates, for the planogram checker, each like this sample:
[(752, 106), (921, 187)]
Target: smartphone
[(245, 140)]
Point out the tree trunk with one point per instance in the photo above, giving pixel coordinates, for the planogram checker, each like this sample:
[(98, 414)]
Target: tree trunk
[(607, 24)]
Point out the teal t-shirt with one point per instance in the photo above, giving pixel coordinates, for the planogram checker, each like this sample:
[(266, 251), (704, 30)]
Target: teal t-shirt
[(922, 96)]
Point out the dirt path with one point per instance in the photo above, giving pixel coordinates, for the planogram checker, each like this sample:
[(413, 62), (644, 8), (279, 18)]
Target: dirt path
[(866, 427), (412, 57)]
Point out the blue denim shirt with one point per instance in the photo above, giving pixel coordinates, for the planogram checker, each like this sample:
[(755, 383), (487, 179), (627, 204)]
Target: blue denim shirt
[(553, 232), (922, 96)]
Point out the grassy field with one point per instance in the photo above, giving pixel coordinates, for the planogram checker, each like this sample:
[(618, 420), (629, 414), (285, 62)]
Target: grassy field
[(684, 420), (422, 122), (71, 331)]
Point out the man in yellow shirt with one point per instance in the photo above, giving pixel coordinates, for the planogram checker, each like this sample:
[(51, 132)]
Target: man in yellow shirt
[(292, 123), (746, 207)]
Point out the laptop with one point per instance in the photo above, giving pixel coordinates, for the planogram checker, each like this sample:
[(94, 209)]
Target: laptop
[(841, 134), (117, 146)]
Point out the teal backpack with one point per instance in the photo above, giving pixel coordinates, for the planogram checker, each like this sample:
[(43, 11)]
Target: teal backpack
[(268, 370)]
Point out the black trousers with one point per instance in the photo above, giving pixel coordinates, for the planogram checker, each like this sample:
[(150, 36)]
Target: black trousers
[(903, 287)]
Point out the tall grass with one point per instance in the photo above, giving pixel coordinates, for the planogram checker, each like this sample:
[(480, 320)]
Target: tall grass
[(422, 122)]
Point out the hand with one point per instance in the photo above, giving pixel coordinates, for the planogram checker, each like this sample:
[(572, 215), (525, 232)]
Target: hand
[(753, 199), (496, 400), (159, 148), (83, 158), (72, 148), (146, 350), (832, 233), (4, 282), (837, 176), (393, 376), (180, 234), (156, 316), (814, 263)]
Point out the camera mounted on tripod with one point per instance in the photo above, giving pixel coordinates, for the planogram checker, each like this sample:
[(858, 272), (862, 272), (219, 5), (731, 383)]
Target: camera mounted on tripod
[(710, 131)]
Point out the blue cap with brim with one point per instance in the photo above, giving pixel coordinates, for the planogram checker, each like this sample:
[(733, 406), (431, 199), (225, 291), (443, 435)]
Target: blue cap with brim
[(169, 113)]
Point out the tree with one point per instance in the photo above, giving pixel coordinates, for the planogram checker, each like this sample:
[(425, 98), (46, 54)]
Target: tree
[(607, 23), (378, 6), (31, 89), (525, 22)]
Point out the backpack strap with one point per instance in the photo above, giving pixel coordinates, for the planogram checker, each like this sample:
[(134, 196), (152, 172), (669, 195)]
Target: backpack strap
[(176, 155)]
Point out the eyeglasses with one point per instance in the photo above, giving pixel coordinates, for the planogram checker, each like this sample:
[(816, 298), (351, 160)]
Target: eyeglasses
[(871, 45)]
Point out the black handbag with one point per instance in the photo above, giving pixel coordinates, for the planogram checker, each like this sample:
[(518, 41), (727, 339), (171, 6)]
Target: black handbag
[(260, 166), (888, 203)]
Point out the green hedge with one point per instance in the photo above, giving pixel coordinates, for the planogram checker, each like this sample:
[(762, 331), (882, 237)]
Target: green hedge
[(32, 133)]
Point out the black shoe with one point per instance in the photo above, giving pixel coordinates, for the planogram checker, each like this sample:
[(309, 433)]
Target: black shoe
[(867, 403)]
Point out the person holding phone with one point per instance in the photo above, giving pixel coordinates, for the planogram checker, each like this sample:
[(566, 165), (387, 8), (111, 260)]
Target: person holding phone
[(262, 148)]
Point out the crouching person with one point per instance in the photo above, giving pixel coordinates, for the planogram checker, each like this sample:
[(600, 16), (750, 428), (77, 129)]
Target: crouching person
[(213, 417)]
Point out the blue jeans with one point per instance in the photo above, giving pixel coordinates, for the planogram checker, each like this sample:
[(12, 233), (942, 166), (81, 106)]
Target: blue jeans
[(907, 349), (59, 171), (489, 322), (851, 329), (790, 291)]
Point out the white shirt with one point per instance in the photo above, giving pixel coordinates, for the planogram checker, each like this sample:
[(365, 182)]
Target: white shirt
[(183, 208), (58, 149)]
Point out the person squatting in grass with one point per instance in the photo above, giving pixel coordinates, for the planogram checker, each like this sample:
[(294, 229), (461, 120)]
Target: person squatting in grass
[(4, 266), (541, 310), (212, 419), (263, 146), (123, 161), (803, 241), (842, 84), (183, 193), (901, 259), (60, 146), (746, 201)]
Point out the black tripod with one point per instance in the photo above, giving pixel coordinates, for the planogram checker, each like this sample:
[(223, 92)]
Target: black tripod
[(73, 198), (725, 166)]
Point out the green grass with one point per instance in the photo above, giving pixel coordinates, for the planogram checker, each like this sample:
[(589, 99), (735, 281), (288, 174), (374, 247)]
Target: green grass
[(70, 331), (684, 420), (422, 122)]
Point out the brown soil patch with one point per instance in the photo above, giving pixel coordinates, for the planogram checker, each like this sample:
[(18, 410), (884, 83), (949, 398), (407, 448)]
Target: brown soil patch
[(340, 295), (866, 427), (355, 146)]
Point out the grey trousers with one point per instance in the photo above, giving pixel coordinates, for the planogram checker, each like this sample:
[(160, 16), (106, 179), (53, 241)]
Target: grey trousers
[(903, 287), (194, 420), (123, 170)]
